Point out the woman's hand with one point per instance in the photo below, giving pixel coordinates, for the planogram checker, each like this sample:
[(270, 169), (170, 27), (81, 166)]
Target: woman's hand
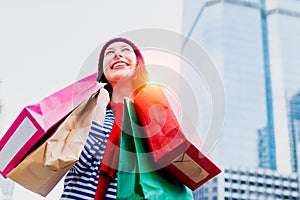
[(100, 109)]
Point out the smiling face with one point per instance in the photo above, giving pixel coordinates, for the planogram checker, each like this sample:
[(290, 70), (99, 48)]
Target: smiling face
[(119, 62)]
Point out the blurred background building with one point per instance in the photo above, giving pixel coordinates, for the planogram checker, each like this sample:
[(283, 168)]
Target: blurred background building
[(6, 185), (244, 184), (255, 45)]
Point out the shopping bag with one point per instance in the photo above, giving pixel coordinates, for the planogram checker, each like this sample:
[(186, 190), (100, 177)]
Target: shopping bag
[(138, 176), (163, 131), (177, 151), (38, 120), (42, 169)]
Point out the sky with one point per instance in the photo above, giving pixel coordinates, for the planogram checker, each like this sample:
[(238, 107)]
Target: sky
[(43, 45)]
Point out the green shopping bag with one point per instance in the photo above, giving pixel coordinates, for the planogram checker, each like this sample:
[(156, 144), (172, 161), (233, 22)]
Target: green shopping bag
[(138, 176)]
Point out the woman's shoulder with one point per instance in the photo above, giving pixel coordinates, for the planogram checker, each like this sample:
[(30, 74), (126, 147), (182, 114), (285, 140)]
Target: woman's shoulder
[(148, 88), (152, 93)]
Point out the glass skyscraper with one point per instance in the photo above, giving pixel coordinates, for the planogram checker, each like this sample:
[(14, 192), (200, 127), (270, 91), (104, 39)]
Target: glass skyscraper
[(294, 126), (283, 19), (255, 45)]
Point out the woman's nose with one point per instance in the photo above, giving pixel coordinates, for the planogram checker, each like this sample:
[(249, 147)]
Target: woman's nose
[(118, 54)]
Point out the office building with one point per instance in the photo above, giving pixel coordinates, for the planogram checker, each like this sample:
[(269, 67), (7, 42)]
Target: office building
[(254, 44), (250, 184), (264, 152), (294, 126)]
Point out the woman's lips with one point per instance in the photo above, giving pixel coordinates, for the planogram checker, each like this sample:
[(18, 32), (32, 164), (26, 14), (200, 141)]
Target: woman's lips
[(119, 65)]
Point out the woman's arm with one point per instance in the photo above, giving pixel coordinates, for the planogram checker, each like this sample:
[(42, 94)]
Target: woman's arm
[(93, 149)]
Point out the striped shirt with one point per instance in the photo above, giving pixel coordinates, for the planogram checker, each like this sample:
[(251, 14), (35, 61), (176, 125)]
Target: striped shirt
[(82, 179)]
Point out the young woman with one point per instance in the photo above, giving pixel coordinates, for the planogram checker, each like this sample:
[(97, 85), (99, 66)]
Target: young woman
[(121, 65)]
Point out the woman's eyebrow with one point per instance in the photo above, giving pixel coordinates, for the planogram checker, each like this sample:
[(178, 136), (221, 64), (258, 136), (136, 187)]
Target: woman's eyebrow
[(125, 46), (110, 48)]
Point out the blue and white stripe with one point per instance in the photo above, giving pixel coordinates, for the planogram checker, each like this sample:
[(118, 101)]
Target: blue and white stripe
[(82, 179)]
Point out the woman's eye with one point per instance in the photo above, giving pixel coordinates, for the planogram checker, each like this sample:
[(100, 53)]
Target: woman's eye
[(109, 52), (126, 49)]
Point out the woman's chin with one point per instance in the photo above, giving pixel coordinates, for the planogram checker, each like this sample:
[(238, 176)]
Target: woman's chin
[(119, 76)]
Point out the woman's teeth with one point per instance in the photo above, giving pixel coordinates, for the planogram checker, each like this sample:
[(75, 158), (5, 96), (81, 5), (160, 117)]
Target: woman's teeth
[(120, 64)]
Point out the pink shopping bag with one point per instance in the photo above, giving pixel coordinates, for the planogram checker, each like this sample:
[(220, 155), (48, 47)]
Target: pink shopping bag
[(37, 120)]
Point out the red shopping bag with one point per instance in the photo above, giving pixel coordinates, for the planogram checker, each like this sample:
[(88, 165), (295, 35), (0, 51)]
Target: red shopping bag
[(172, 148), (37, 120)]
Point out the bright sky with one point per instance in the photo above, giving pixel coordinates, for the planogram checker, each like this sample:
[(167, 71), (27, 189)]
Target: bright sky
[(43, 45)]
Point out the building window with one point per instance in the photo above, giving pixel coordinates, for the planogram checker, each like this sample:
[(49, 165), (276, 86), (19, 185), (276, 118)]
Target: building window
[(215, 189), (206, 190), (259, 175), (284, 179), (294, 189)]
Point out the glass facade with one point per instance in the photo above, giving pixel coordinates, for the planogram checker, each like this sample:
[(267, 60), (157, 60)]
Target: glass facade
[(244, 184), (255, 46), (267, 156), (284, 18), (231, 34), (294, 116), (264, 151)]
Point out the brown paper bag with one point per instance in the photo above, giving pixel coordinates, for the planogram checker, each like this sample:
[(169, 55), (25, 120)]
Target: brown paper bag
[(42, 169)]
